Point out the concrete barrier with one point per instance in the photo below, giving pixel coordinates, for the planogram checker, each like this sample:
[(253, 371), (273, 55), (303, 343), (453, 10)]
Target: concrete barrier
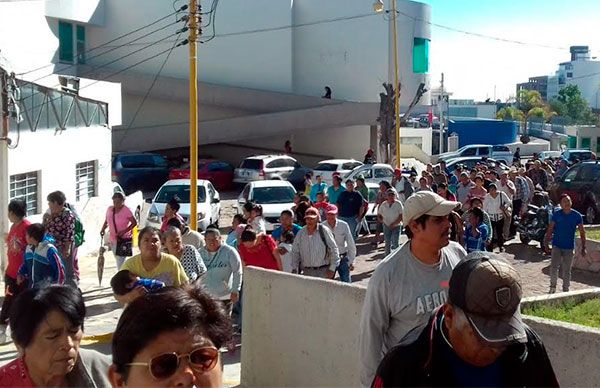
[(303, 332), (591, 261)]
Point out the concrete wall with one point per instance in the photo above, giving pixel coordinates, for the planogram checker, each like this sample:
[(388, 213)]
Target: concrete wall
[(304, 332)]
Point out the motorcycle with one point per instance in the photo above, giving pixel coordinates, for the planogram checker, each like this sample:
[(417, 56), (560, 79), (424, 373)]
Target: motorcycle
[(533, 224)]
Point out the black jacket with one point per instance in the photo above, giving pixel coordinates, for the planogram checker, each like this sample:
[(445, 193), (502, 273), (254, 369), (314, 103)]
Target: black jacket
[(421, 363)]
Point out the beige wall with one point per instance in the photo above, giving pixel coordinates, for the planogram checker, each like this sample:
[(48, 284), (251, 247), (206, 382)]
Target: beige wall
[(303, 332)]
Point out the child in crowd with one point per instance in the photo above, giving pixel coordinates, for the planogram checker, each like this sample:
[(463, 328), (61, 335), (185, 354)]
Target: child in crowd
[(321, 204), (125, 281), (42, 265), (237, 226), (285, 250), (258, 222)]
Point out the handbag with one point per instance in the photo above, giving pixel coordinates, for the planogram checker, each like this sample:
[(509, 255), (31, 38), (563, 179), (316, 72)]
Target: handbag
[(124, 245)]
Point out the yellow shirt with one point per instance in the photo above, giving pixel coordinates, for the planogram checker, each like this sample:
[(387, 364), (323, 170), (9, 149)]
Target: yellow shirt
[(168, 271)]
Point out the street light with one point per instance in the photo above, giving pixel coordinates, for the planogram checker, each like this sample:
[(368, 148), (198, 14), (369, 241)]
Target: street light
[(378, 6)]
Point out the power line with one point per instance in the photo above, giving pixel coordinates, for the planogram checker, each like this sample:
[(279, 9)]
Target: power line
[(139, 108), (182, 43), (184, 7)]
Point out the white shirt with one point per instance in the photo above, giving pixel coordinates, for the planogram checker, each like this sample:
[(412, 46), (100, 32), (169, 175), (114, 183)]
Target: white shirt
[(505, 189), (390, 213), (286, 258), (343, 239), (493, 206)]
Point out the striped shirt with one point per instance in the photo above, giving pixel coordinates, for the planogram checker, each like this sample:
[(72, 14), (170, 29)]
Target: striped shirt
[(309, 250), (521, 189)]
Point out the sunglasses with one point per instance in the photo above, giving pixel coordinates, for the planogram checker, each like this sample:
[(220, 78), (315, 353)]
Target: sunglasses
[(165, 365)]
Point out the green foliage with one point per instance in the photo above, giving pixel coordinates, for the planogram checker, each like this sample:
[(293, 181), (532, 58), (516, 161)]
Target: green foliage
[(586, 313), (510, 113), (576, 107)]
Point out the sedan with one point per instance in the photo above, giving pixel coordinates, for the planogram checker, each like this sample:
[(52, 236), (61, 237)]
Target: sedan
[(209, 206), (274, 196), (326, 168), (372, 173), (218, 172)]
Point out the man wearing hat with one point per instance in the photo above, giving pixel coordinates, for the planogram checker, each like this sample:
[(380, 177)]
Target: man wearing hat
[(315, 252), (410, 283), (477, 338), (343, 240), (390, 216)]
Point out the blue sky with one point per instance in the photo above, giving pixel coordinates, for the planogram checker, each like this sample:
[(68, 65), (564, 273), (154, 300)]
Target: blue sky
[(473, 66)]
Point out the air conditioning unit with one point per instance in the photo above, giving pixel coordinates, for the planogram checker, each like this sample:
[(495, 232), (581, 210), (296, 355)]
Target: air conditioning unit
[(69, 84)]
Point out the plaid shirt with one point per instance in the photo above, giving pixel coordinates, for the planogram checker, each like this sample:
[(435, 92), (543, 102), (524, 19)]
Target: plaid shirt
[(521, 188)]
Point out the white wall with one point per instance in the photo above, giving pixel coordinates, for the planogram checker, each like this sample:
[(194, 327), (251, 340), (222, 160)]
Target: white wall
[(303, 332), (55, 155), (589, 86), (83, 11)]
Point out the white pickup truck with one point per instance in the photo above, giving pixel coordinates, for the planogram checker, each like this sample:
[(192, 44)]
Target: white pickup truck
[(498, 152)]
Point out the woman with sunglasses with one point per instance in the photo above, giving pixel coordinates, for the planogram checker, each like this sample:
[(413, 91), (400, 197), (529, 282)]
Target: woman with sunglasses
[(170, 338)]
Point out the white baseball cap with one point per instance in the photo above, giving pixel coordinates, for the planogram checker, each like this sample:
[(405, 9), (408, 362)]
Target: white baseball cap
[(426, 202)]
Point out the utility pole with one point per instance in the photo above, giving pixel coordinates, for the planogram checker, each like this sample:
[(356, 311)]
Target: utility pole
[(194, 22), (4, 182), (396, 86), (441, 108)]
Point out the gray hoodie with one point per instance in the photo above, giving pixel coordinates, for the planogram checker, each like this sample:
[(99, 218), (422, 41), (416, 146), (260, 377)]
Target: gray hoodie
[(223, 271)]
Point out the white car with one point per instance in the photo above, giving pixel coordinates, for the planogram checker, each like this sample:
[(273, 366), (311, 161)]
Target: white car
[(326, 168), (264, 167), (209, 202), (371, 215), (372, 173), (274, 196), (134, 201)]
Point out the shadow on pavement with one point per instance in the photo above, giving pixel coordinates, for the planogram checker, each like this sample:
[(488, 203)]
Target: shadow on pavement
[(577, 275), (98, 309), (363, 275), (524, 252)]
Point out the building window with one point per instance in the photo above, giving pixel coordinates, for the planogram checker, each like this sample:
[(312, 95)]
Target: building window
[(25, 186), (420, 55), (65, 42), (71, 42), (85, 184), (586, 143), (569, 75)]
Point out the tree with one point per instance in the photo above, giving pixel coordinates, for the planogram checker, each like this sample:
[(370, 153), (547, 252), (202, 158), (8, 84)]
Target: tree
[(576, 108), (529, 103)]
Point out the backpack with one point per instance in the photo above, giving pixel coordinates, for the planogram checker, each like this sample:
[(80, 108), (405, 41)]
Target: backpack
[(79, 232), (322, 234)]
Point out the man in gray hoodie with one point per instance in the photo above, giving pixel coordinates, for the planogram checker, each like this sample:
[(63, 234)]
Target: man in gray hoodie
[(410, 283)]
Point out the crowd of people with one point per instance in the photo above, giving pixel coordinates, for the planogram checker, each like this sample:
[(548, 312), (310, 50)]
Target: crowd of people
[(420, 297)]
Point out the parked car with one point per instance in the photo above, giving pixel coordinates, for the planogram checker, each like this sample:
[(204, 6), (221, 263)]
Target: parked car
[(498, 152), (134, 201), (371, 215), (470, 162), (218, 172), (265, 167), (209, 206), (549, 154), (582, 183), (274, 196), (139, 171), (581, 155), (373, 173), (326, 168)]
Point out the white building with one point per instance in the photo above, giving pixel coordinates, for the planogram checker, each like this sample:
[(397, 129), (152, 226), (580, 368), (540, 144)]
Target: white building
[(262, 76)]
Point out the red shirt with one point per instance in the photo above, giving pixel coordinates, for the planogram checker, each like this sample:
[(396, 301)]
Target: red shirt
[(16, 243), (260, 255), (15, 374)]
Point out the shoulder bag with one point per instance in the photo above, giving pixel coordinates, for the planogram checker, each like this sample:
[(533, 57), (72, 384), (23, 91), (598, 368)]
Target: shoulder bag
[(124, 245)]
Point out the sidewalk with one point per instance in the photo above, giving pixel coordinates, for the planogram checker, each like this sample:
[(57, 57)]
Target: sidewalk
[(102, 315)]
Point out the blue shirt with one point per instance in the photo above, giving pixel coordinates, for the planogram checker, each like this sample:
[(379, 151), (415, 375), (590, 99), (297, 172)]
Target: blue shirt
[(565, 226), (473, 243), (349, 203), (334, 194), (316, 189), (279, 231)]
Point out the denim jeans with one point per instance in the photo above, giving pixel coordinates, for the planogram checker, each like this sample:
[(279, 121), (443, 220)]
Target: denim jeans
[(352, 223), (391, 237), (344, 269)]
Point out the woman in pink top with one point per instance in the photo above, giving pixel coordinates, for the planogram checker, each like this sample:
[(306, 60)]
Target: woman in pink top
[(478, 191), (120, 222)]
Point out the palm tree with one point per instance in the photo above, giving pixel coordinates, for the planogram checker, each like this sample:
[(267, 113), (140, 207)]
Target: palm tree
[(529, 104)]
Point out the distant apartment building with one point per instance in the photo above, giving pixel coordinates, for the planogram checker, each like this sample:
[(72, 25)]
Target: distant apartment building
[(582, 70)]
